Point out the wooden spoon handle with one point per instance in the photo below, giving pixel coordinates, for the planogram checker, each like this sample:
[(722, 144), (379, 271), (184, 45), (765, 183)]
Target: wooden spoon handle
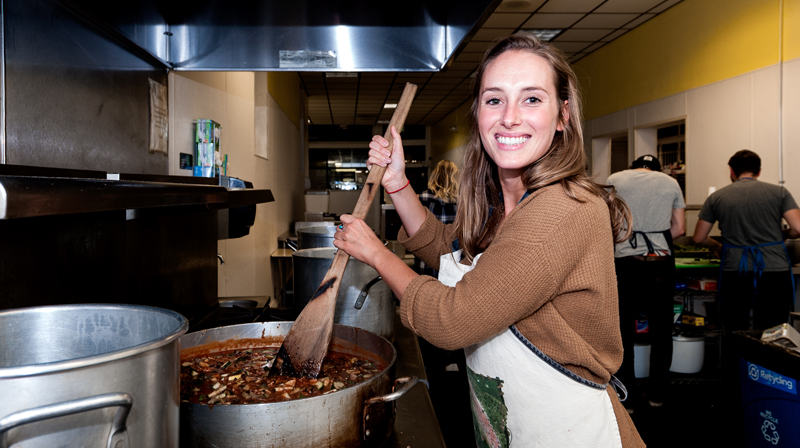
[(376, 172), (307, 342)]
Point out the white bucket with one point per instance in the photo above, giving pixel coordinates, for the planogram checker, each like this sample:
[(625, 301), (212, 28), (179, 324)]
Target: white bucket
[(641, 360), (687, 354)]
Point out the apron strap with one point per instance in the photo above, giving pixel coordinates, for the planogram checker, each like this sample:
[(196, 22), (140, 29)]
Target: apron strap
[(619, 388), (650, 248), (755, 253)]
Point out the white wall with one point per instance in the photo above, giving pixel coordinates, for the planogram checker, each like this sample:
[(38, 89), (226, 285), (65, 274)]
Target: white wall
[(230, 98), (344, 201), (721, 118), (791, 126)]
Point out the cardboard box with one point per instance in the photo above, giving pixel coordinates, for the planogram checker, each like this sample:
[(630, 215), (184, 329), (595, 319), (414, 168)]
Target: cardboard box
[(693, 320), (783, 335), (703, 284)]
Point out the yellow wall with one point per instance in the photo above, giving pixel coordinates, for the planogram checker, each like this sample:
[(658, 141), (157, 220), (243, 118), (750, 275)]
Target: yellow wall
[(791, 29), (443, 138), (694, 43), (285, 89)]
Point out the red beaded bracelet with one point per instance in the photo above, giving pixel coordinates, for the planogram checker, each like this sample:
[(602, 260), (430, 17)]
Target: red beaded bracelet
[(404, 186)]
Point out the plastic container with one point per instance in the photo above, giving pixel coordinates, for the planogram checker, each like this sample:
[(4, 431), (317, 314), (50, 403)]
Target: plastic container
[(641, 360), (687, 354), (206, 148)]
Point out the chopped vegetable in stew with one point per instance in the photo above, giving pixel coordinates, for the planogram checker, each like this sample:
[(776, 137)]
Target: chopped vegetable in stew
[(241, 377)]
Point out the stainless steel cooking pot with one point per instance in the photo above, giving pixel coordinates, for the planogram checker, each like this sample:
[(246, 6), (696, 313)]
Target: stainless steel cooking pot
[(90, 376), (318, 236), (359, 416), (364, 300)]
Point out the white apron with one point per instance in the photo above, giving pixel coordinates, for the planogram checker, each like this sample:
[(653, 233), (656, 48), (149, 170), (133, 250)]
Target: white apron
[(522, 398)]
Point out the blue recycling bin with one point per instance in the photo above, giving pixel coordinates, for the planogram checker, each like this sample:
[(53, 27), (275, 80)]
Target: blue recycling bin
[(769, 377)]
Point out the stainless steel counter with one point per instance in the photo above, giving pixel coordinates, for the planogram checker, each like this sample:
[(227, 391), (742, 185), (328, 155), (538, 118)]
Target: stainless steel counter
[(416, 425)]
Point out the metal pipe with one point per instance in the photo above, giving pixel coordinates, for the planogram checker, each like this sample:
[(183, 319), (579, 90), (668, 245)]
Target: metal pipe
[(2, 84), (781, 180)]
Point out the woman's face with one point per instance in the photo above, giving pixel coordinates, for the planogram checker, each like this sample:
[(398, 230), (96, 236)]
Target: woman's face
[(519, 109)]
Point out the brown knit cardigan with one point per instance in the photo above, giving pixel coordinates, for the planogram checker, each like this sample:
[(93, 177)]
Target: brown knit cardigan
[(549, 271)]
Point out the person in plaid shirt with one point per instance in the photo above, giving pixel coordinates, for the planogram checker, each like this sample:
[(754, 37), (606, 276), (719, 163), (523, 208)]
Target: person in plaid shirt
[(440, 198)]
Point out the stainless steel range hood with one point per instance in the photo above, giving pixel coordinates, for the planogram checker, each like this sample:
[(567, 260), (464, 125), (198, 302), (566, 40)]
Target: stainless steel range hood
[(302, 35)]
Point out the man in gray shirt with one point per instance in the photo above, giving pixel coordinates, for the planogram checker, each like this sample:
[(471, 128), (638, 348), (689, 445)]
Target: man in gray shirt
[(756, 274), (645, 268)]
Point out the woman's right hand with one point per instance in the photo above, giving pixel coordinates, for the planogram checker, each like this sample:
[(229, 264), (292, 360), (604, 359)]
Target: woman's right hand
[(394, 160)]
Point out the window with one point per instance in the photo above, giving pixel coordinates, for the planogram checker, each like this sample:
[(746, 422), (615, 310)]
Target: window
[(672, 151)]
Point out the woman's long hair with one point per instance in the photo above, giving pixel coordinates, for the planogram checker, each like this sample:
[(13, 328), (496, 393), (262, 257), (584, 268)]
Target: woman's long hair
[(444, 181), (564, 162)]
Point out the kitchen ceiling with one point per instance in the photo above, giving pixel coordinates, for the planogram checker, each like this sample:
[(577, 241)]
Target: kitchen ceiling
[(578, 27)]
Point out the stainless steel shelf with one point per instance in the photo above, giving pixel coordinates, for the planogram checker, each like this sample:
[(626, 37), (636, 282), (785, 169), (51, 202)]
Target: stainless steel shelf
[(36, 192)]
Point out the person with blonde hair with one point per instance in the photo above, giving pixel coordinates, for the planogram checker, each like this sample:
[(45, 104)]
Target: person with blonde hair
[(443, 182), (441, 199), (531, 294)]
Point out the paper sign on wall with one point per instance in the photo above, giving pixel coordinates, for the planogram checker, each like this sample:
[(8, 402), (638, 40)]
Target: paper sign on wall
[(159, 118)]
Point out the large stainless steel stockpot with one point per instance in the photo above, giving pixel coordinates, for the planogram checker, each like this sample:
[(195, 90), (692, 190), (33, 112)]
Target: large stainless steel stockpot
[(90, 376), (364, 300), (359, 416), (317, 236)]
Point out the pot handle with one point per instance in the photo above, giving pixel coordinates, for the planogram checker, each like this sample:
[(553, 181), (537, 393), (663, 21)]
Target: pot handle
[(406, 383), (118, 429), (365, 291)]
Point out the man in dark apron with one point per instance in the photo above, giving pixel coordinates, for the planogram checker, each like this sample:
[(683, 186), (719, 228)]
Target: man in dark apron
[(645, 267), (755, 271)]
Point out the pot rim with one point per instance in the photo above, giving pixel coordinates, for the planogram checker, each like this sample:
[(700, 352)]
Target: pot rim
[(320, 253), (318, 230), (78, 363), (387, 371)]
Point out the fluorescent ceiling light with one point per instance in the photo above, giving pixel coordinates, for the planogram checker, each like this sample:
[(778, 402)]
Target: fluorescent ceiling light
[(544, 34), (390, 106), (383, 121), (341, 75)]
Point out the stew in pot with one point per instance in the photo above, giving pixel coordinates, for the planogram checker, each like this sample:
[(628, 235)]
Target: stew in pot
[(241, 377)]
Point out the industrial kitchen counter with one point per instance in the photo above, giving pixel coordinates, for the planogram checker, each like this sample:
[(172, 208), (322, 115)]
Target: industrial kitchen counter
[(78, 236), (416, 425)]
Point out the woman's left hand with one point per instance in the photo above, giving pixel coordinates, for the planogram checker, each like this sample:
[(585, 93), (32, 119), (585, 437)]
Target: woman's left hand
[(356, 238)]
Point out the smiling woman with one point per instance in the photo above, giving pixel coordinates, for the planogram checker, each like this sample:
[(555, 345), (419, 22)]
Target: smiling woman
[(531, 293), (519, 112)]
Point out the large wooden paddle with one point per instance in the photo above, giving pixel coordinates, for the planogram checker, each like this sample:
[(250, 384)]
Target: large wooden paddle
[(307, 341)]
